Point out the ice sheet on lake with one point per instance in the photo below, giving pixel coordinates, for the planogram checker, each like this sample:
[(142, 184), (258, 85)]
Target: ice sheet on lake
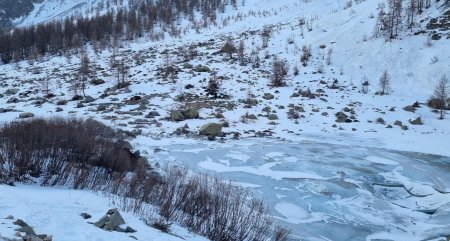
[(335, 192)]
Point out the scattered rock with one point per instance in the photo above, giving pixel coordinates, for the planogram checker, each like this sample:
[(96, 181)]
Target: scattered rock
[(404, 128), (11, 217), (97, 81), (88, 99), (111, 221), (152, 114), (341, 117), (24, 227), (191, 113), (3, 110), (252, 117), (409, 108), (268, 96), (417, 121), (101, 107), (134, 100), (176, 115), (398, 123), (129, 229), (182, 130), (201, 68), (272, 117), (85, 215), (13, 100), (211, 129), (11, 91), (295, 94), (380, 121), (25, 115)]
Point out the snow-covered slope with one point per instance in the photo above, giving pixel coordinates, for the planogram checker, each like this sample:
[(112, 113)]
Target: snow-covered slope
[(49, 10), (345, 32), (56, 212)]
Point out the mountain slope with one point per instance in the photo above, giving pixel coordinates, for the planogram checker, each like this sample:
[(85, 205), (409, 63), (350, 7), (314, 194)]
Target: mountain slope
[(324, 102)]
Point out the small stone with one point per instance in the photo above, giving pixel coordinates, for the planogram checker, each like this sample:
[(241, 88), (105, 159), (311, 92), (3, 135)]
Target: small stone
[(129, 229), (252, 117), (268, 96), (85, 215), (88, 99), (398, 123), (409, 108), (417, 121), (10, 217), (380, 120), (152, 114)]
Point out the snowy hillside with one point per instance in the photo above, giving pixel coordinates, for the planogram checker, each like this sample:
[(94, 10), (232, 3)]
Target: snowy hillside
[(56, 212), (49, 10), (322, 100)]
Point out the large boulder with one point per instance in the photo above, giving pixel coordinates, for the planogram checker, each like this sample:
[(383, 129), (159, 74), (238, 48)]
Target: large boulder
[(176, 115), (111, 221), (25, 115), (211, 129), (191, 113)]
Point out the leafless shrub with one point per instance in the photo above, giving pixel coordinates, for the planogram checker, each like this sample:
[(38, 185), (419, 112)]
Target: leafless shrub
[(54, 148), (306, 54)]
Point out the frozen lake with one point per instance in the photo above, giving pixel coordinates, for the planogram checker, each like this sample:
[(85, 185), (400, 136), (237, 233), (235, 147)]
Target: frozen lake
[(333, 192)]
